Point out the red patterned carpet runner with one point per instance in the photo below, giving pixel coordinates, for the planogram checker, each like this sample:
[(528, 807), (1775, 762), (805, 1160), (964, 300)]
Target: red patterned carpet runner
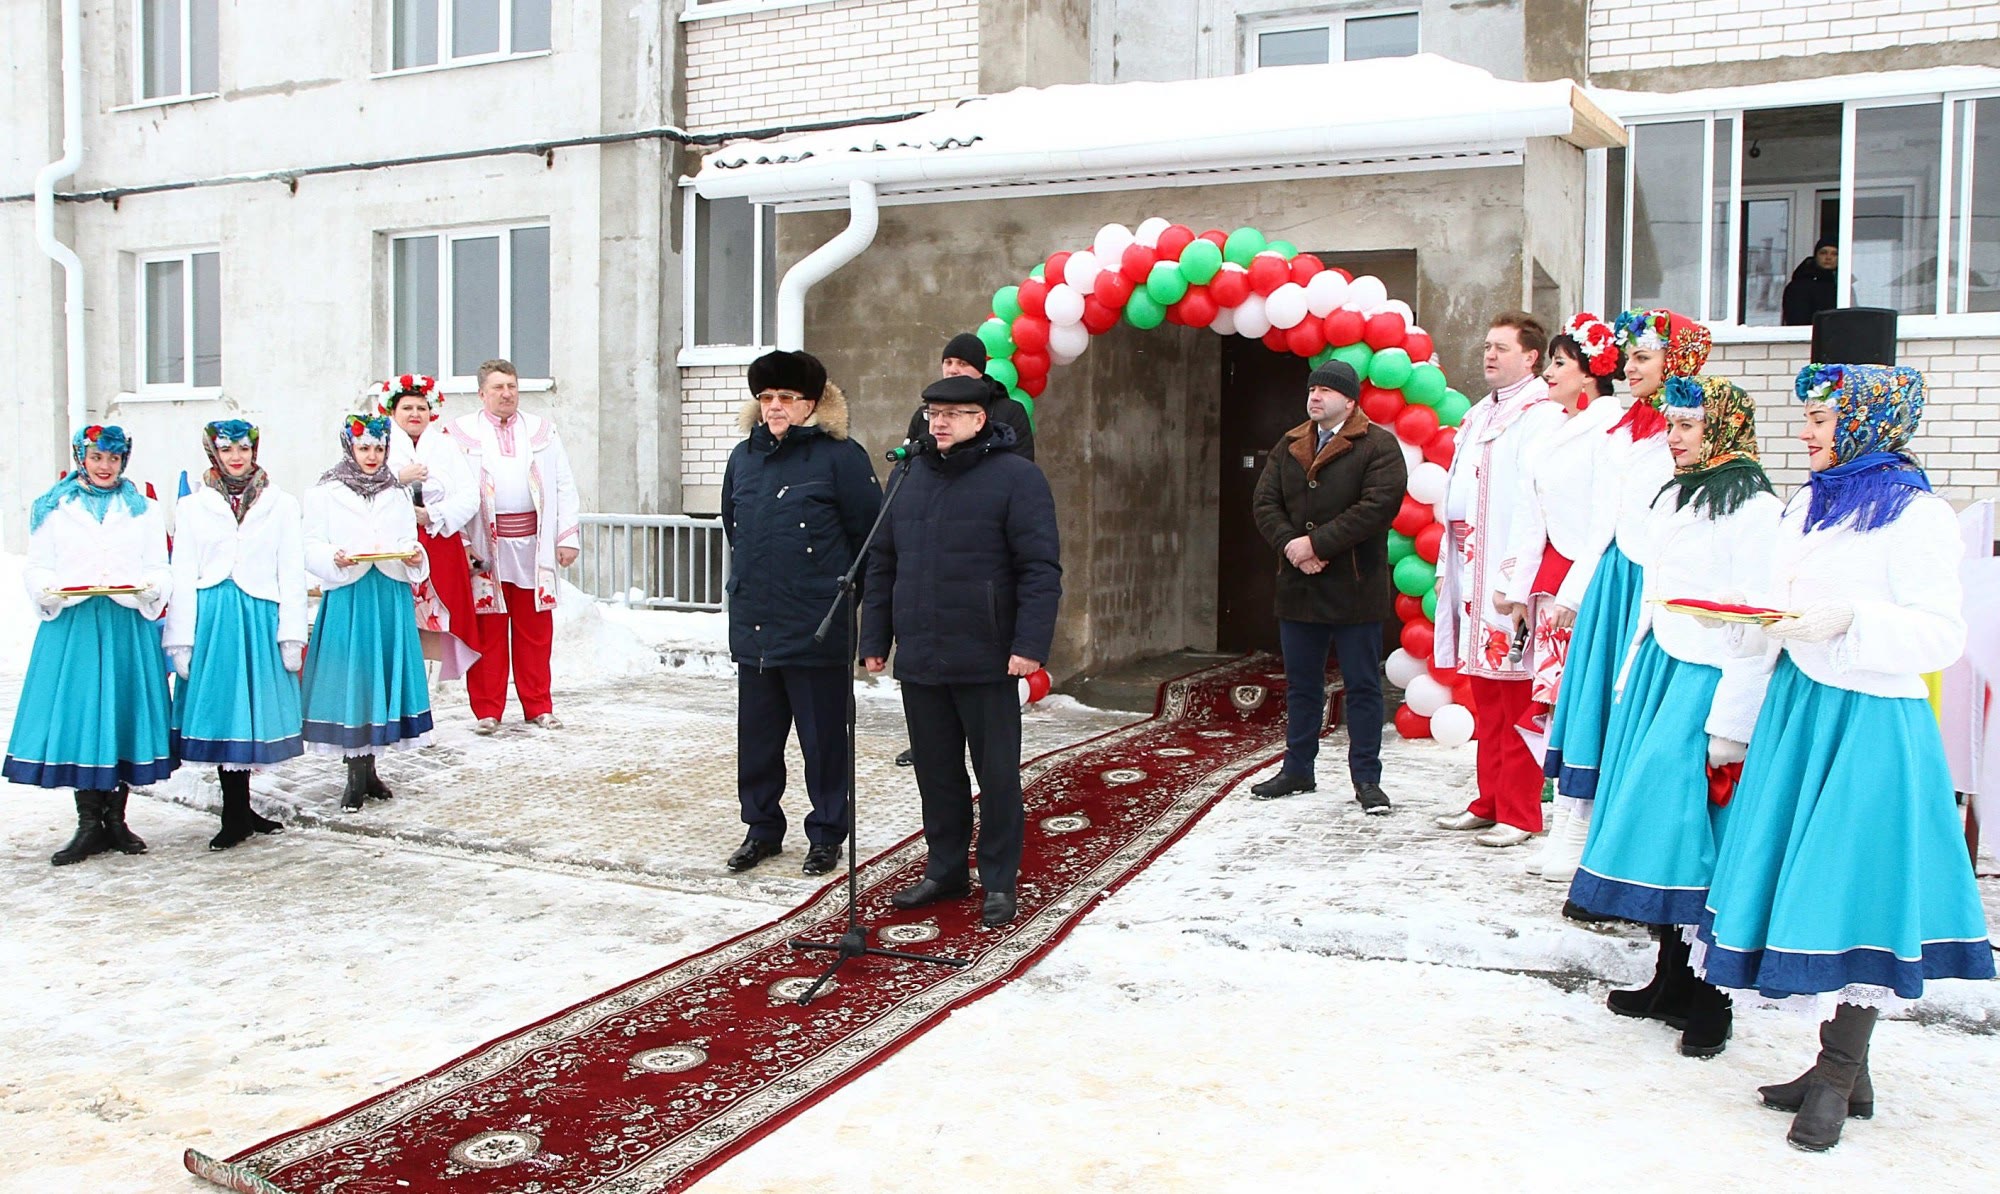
[(649, 1086)]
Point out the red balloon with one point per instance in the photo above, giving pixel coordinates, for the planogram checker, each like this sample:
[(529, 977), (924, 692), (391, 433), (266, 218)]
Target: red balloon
[(1230, 286), (1344, 275), (1440, 448), (1217, 235), (1097, 317), (1343, 327), (1430, 541), (1198, 307), (1385, 330), (1052, 269), (1444, 675), (1380, 405), (1031, 362), (1417, 638), (1268, 271), (1038, 685), (1137, 263), (1112, 289), (1030, 333), (1034, 298), (1419, 346), (1304, 266), (1409, 725), (1416, 424), (1173, 240), (1414, 516), (1275, 340), (1408, 608), (1305, 339), (1033, 386)]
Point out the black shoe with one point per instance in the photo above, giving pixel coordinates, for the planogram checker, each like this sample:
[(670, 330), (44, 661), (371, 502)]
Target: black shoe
[(235, 810), (821, 859), (930, 891), (1823, 1111), (90, 837), (122, 838), (1282, 784), (1790, 1096), (1372, 799), (906, 759), (1709, 1023), (751, 852), (356, 790), (264, 824), (997, 910), (1666, 997), (373, 787), (1584, 916)]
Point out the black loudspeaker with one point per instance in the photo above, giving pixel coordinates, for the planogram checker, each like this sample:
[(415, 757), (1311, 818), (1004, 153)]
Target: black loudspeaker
[(1854, 336)]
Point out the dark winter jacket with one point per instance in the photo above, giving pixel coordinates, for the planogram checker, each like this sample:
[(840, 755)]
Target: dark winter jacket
[(1004, 410), (795, 510), (1343, 498), (967, 570), (1810, 291)]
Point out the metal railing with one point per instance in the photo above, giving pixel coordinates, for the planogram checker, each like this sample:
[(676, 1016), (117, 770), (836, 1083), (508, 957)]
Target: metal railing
[(654, 561)]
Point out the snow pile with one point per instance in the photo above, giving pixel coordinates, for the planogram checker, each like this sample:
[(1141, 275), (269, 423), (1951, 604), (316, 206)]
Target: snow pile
[(591, 647)]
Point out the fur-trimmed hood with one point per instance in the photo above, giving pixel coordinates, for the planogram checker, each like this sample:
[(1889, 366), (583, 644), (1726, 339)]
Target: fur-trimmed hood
[(830, 416)]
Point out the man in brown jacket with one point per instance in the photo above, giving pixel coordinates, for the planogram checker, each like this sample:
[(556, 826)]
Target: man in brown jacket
[(1332, 487)]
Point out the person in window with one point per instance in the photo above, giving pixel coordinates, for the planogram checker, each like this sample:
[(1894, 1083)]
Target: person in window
[(798, 498), (94, 711), (427, 462), (1811, 289), (237, 635)]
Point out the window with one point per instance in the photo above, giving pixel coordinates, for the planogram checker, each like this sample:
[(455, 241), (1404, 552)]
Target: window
[(731, 278), (176, 50), (436, 32), (1350, 39), (466, 296), (180, 322)]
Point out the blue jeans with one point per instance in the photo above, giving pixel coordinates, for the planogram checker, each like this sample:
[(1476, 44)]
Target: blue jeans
[(1359, 649)]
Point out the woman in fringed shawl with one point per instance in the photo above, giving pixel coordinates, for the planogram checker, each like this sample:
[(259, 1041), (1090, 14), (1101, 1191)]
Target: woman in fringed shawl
[(94, 706), (1685, 705), (1844, 877), (365, 689), (238, 633)]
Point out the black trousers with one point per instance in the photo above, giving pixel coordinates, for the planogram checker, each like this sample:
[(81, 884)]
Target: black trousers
[(944, 719), (768, 704), (1359, 647)]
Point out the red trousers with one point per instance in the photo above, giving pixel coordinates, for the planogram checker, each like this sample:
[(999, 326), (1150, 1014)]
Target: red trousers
[(534, 635), (1510, 777)]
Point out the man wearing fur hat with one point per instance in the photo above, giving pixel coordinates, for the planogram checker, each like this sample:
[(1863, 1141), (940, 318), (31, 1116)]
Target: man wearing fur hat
[(798, 497)]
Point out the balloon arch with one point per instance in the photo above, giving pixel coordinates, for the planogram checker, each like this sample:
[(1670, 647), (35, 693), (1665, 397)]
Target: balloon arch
[(1239, 283)]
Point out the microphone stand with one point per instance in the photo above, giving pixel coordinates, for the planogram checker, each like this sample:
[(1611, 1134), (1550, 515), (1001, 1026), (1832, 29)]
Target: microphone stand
[(854, 942)]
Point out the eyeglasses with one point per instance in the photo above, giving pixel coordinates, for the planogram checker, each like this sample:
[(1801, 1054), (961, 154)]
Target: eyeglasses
[(933, 413), (781, 396)]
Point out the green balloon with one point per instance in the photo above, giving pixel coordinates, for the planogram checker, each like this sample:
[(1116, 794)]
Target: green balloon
[(1038, 271), (997, 338), (1166, 284), (1452, 407), (1320, 358), (1007, 303), (1357, 355), (1414, 576), (1431, 605), (1141, 311), (1426, 386), (1389, 368), (1400, 546), (1199, 261), (1243, 246), (1284, 248), (1027, 404), (1002, 370)]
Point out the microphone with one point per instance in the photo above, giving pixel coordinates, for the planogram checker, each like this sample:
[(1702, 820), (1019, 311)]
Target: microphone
[(910, 449)]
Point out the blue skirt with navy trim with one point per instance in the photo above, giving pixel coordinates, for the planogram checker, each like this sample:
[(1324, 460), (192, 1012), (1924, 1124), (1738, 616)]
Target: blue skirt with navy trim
[(364, 682), (238, 707), (94, 707), (1597, 647)]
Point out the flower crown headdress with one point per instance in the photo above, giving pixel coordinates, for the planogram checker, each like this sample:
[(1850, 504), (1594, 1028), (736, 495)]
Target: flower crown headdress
[(1598, 342), (384, 393), (364, 429), (105, 438), (224, 432)]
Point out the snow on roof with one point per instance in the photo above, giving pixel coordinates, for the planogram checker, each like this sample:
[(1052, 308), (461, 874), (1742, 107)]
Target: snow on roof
[(1799, 93), (1379, 110)]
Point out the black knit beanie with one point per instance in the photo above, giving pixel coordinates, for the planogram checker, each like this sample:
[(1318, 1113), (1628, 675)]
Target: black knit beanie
[(966, 347), (1336, 375)]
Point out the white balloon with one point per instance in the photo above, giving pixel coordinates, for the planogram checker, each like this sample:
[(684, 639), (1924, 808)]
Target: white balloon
[(1325, 291), (1148, 231), (1111, 243), (1450, 726), (1427, 482), (1063, 306), (1401, 308), (1364, 294), (1061, 358), (1081, 271), (1286, 306), (1251, 318), (1425, 696), (1412, 454), (1402, 667), (1069, 339), (1224, 321)]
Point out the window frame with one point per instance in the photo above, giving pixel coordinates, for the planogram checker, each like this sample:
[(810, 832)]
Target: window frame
[(1335, 24), (446, 60), (467, 383), (187, 92), (185, 389), (691, 353)]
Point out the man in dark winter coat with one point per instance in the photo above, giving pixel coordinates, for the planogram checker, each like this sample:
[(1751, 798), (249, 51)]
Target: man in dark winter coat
[(965, 356), (1812, 288), (798, 498), (964, 579), (1325, 500)]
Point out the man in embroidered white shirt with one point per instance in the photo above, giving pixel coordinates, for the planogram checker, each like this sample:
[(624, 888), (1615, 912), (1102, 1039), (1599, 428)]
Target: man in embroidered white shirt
[(526, 529)]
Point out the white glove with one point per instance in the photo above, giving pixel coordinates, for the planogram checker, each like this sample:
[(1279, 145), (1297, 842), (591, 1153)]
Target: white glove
[(181, 657), (1724, 751), (1816, 623), (295, 655)]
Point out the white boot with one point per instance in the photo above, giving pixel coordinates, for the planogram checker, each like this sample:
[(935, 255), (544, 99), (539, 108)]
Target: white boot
[(1565, 853), (1541, 856)]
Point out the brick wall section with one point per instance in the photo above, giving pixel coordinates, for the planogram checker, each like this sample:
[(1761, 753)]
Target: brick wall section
[(711, 398), (847, 58), (1646, 34), (1959, 442)]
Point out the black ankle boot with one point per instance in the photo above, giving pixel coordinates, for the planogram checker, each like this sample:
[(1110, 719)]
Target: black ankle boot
[(356, 790), (1665, 997), (122, 839), (376, 789), (1790, 1096), (235, 809), (1829, 1093), (1709, 1024), (90, 837)]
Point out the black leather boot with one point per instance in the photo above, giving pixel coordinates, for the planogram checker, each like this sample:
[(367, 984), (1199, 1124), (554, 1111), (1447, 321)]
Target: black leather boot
[(122, 838), (1829, 1093), (1790, 1096), (356, 790), (90, 837), (1665, 997), (235, 809), (375, 788), (1709, 1023)]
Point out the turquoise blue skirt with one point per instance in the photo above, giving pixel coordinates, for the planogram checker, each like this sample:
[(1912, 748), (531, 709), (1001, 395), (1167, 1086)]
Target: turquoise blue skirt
[(1845, 860), (238, 707), (94, 706), (364, 676), (1653, 833), (1597, 647)]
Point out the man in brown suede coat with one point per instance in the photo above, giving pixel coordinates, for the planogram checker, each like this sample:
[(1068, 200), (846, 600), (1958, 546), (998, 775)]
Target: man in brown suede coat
[(1332, 487)]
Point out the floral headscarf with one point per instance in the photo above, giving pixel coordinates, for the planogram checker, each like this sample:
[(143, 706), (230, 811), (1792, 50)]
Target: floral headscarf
[(75, 486), (240, 492), (1874, 477), (1726, 473), (361, 429)]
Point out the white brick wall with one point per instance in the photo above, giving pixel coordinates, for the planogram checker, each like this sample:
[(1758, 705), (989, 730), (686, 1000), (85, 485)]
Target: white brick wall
[(847, 58), (1648, 34), (1959, 442), (711, 398)]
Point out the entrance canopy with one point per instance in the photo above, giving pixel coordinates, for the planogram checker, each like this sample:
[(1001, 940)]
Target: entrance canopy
[(1371, 114)]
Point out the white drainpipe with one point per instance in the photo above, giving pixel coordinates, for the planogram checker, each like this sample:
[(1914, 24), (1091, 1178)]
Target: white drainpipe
[(863, 217), (45, 207)]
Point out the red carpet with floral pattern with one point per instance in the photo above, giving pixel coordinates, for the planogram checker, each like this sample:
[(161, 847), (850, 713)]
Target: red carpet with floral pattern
[(651, 1085)]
